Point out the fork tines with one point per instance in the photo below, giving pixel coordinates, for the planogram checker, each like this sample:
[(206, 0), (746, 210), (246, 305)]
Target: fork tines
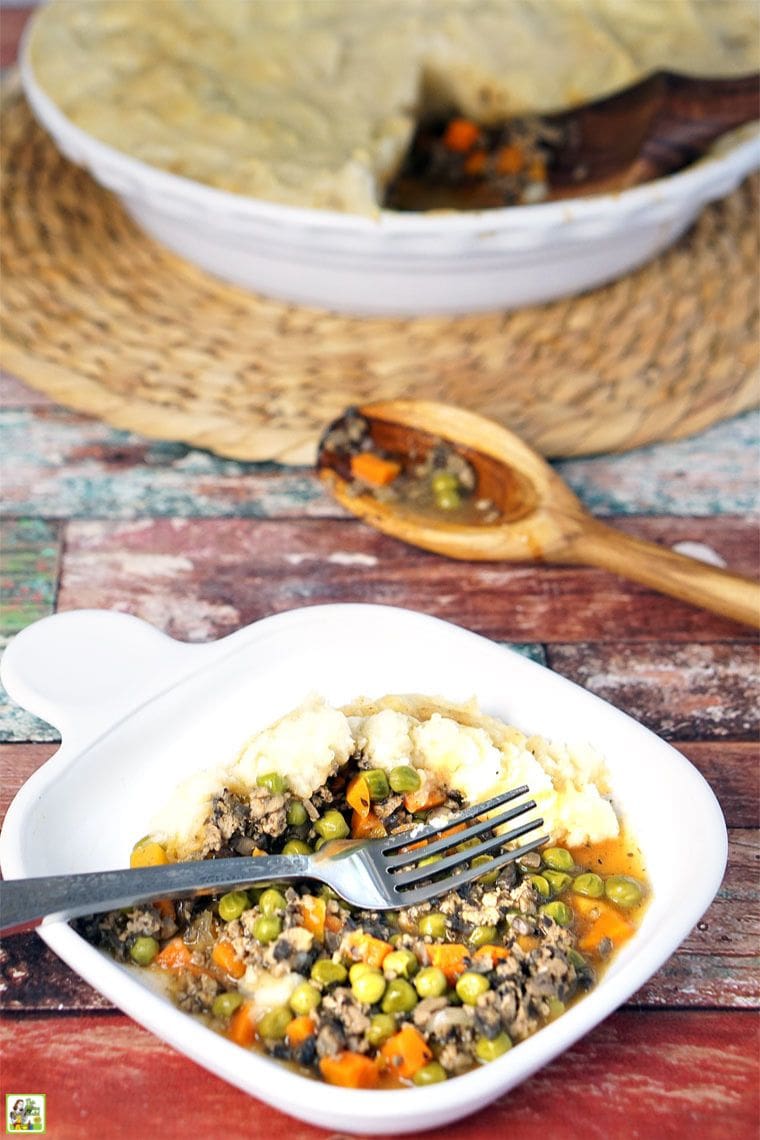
[(406, 880)]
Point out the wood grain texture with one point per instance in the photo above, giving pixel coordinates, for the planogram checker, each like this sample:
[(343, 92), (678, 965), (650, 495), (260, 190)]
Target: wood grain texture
[(73, 466), (675, 1075), (202, 578), (679, 691)]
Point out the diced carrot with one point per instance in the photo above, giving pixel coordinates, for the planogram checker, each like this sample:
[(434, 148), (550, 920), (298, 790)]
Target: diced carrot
[(299, 1029), (174, 956), (510, 160), (358, 795), (242, 1027), (223, 955), (600, 920), (430, 794), (373, 469), (461, 135), (495, 953), (451, 957), (439, 835), (369, 826), (165, 908), (527, 942), (371, 950), (406, 1052), (475, 163), (333, 923), (313, 912), (350, 1071)]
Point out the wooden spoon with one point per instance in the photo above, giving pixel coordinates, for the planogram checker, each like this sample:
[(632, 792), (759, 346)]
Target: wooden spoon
[(540, 520)]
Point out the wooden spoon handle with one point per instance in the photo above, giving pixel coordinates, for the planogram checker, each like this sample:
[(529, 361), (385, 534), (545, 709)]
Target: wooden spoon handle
[(685, 578)]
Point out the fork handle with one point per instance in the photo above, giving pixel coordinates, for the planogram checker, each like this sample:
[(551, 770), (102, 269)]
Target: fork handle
[(24, 903)]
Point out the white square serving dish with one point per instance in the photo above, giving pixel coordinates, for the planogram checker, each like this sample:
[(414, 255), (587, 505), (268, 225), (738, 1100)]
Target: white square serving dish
[(139, 711)]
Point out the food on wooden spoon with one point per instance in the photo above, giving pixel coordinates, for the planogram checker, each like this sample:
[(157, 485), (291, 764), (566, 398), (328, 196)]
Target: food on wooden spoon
[(507, 504)]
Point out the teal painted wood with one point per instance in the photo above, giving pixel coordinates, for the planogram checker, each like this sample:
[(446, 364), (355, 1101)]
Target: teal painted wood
[(30, 551), (66, 466)]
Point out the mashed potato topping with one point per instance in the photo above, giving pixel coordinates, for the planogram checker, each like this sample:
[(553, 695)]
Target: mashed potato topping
[(469, 753)]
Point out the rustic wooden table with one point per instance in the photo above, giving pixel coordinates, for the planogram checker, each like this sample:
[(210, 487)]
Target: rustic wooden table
[(201, 545)]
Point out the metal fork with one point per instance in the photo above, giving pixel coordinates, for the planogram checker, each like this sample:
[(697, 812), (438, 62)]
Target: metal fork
[(375, 874)]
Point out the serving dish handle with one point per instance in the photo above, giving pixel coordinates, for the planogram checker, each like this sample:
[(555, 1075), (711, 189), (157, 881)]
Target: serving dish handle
[(83, 670)]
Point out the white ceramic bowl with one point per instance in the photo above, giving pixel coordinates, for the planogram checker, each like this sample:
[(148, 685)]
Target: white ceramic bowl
[(138, 712), (403, 264)]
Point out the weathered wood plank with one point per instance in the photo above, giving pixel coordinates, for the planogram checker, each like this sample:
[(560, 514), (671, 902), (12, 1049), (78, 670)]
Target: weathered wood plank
[(86, 469), (11, 26), (30, 556), (733, 770), (681, 692), (673, 1075), (202, 578), (716, 966), (31, 552)]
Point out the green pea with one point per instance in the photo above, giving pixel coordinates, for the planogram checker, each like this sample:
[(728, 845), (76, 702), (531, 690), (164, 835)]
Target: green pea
[(381, 1027), (558, 858), (558, 881), (272, 901), (332, 825), (273, 782), (377, 782), (143, 950), (541, 885), (305, 999), (444, 481), (576, 959), (368, 987), (559, 911), (488, 1049), (319, 843), (399, 997), (327, 972), (358, 969), (267, 927), (404, 778), (296, 847), (623, 890), (400, 964), (431, 1074), (224, 1005), (482, 861), (448, 500), (590, 885), (296, 814), (433, 924), (483, 936), (429, 860), (470, 986), (274, 1023), (556, 1007), (232, 905), (430, 982)]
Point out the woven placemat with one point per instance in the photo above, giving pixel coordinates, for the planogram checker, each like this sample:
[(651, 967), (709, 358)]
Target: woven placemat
[(107, 322)]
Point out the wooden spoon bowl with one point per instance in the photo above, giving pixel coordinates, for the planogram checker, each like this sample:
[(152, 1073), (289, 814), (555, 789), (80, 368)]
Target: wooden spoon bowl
[(541, 520)]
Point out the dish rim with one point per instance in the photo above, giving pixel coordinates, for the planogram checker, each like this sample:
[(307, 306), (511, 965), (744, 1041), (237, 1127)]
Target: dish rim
[(396, 1111)]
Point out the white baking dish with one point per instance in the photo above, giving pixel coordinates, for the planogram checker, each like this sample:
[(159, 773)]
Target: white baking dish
[(139, 711), (403, 264)]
